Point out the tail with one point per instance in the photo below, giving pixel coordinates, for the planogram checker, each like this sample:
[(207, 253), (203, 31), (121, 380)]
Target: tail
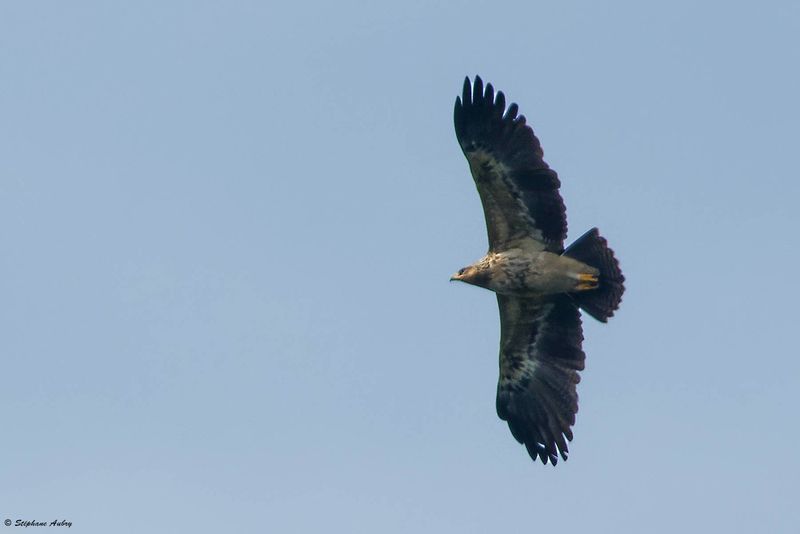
[(593, 250)]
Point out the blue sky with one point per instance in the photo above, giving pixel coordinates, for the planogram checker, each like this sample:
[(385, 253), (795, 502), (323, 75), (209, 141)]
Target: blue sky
[(227, 231)]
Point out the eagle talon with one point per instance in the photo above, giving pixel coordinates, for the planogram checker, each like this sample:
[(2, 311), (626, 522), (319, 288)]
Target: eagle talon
[(587, 282)]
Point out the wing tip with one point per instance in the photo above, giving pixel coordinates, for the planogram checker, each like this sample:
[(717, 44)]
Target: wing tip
[(539, 442), (475, 93)]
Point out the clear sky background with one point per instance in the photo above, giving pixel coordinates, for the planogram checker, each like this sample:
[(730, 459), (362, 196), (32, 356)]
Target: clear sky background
[(226, 233)]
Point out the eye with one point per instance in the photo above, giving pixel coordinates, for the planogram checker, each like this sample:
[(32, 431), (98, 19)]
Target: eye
[(461, 271)]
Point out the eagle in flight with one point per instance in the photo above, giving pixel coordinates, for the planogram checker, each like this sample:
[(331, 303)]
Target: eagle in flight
[(540, 284)]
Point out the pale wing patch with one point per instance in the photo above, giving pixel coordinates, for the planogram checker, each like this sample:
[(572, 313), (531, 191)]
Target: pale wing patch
[(520, 326), (507, 217)]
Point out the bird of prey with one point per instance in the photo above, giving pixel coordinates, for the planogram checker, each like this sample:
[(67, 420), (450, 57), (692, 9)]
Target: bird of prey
[(540, 285)]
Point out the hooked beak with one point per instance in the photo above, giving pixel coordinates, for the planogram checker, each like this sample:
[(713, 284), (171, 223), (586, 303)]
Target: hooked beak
[(456, 277)]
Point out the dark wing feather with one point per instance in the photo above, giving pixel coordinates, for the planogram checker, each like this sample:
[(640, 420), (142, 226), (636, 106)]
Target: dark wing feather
[(540, 356), (518, 190)]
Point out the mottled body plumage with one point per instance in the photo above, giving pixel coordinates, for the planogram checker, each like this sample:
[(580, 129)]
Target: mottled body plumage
[(523, 273)]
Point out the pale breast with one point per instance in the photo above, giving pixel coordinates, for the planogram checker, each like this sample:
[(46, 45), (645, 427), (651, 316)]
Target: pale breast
[(529, 274)]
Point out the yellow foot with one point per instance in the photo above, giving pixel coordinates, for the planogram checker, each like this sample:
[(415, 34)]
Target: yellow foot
[(587, 282)]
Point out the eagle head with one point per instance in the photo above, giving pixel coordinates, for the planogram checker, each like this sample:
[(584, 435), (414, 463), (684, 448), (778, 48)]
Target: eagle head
[(476, 275)]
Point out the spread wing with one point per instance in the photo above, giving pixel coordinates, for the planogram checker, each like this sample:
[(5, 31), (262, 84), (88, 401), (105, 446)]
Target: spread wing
[(518, 190), (540, 356)]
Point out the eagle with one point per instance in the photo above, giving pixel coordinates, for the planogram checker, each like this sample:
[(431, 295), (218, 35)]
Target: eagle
[(540, 284)]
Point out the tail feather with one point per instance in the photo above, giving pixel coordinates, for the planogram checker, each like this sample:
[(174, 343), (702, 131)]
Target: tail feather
[(593, 250)]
